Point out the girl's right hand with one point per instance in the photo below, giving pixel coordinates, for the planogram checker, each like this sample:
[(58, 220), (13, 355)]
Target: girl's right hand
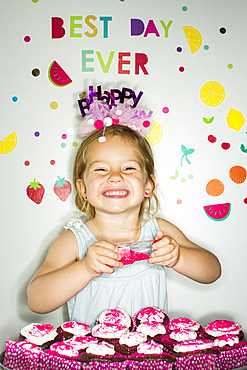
[(101, 257)]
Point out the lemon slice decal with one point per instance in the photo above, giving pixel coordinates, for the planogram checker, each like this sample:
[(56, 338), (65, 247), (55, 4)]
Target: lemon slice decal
[(235, 119), (8, 144), (212, 93), (156, 134), (193, 37)]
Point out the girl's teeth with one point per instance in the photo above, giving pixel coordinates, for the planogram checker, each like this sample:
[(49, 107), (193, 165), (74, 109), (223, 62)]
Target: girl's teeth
[(118, 193)]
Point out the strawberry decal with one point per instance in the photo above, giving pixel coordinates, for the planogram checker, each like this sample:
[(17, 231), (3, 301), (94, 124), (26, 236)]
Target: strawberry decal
[(35, 191), (62, 188)]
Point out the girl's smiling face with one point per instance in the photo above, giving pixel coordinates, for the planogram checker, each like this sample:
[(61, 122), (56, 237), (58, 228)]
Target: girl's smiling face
[(113, 180)]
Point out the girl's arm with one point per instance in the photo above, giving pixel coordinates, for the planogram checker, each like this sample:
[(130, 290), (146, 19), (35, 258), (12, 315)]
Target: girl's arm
[(187, 258), (63, 275)]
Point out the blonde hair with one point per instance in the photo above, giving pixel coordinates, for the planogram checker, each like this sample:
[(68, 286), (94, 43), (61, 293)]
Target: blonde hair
[(148, 166)]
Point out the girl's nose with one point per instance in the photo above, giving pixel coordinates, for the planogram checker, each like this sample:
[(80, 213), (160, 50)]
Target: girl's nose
[(115, 177)]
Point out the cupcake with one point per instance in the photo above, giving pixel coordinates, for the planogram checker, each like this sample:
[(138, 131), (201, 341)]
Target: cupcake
[(184, 323), (98, 354), (71, 328), (153, 330), (129, 342), (109, 332), (150, 355), (151, 314), (81, 343), (232, 352), (115, 317), (22, 355), (218, 328), (42, 335), (195, 354), (63, 349)]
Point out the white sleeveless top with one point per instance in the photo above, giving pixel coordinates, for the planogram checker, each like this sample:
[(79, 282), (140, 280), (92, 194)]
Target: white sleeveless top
[(130, 288)]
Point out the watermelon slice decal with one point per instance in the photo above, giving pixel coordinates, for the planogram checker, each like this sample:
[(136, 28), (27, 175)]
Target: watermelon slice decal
[(57, 75), (218, 212)]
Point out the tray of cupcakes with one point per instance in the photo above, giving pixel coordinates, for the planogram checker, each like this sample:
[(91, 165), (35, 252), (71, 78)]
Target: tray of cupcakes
[(147, 341)]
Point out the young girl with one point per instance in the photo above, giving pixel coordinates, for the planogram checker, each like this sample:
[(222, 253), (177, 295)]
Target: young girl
[(114, 179)]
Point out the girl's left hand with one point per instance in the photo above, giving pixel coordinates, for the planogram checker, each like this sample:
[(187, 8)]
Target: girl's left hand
[(166, 251)]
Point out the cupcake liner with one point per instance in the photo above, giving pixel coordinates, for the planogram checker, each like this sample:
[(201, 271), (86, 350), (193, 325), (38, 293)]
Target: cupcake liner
[(150, 365), (232, 357), (98, 365), (88, 357), (196, 362), (138, 361), (51, 362), (19, 358)]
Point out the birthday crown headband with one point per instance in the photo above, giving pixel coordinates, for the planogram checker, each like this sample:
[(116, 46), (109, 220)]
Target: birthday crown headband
[(99, 111)]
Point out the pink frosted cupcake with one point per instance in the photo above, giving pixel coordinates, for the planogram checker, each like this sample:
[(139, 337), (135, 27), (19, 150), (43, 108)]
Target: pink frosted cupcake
[(109, 332), (151, 355), (151, 314), (22, 355), (81, 343), (232, 352), (42, 335), (153, 330), (129, 342), (71, 328), (218, 328), (195, 354), (179, 330), (102, 355), (115, 317), (184, 323)]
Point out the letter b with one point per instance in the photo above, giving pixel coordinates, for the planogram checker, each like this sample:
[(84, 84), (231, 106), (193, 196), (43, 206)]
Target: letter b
[(57, 30)]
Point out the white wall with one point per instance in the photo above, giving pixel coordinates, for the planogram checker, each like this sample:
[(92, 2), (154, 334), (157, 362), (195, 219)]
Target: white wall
[(27, 229)]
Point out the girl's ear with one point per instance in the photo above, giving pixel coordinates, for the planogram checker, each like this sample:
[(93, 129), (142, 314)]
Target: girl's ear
[(81, 187), (149, 187)]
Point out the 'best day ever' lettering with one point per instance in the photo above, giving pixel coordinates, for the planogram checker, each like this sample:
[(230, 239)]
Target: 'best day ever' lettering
[(92, 23)]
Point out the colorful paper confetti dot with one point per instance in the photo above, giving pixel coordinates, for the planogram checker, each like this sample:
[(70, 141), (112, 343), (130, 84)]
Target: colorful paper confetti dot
[(184, 8), (183, 180), (179, 201), (14, 99), (37, 133), (63, 145), (230, 66), (212, 138), (165, 110), (52, 162), (206, 47), (35, 72), (181, 69), (190, 177), (225, 146), (74, 144), (179, 49), (35, 1), (245, 200), (27, 38), (64, 136), (27, 163), (53, 105), (222, 30)]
